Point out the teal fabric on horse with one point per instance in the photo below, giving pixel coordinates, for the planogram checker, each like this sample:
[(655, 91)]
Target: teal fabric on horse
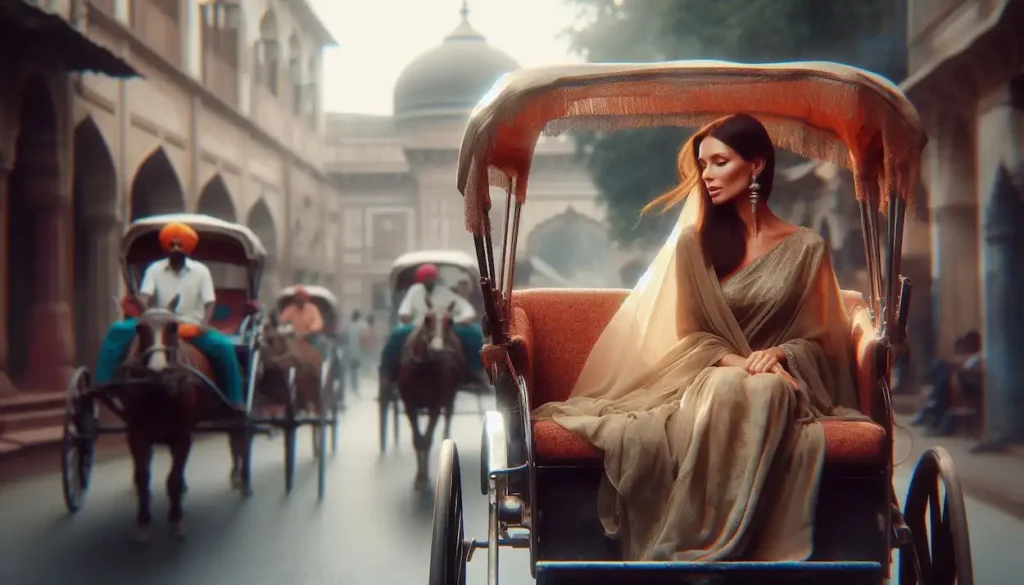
[(470, 334), (219, 348)]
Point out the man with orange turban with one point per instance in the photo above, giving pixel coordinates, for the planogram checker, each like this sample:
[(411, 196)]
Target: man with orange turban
[(177, 275)]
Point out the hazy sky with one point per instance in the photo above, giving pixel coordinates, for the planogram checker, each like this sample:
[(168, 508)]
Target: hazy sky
[(377, 38)]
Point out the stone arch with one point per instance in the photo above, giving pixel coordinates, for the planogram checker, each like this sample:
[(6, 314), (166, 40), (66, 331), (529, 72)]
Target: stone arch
[(268, 51), (156, 188), (215, 200), (261, 221), (96, 234), (37, 350), (576, 246)]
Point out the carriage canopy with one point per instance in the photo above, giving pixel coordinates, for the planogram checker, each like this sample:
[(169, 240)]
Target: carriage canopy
[(454, 266), (220, 242), (324, 299), (819, 110)]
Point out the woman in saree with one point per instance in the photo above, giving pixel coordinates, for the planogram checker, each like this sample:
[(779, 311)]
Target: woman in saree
[(704, 390)]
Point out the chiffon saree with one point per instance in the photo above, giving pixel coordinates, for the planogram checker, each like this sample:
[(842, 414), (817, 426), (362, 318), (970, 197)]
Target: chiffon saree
[(705, 462)]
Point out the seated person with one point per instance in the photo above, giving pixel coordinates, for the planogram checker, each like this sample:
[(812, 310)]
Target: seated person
[(191, 281), (305, 317), (704, 390), (412, 311), (962, 369)]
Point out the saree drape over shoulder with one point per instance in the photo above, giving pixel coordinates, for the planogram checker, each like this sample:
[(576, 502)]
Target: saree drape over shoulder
[(705, 462)]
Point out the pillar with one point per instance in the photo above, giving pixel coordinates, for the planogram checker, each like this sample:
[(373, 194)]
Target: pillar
[(953, 209), (1003, 341), (50, 339), (6, 166), (1002, 245), (99, 306)]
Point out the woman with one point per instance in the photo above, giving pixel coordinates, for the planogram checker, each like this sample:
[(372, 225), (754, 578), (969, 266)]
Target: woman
[(703, 390)]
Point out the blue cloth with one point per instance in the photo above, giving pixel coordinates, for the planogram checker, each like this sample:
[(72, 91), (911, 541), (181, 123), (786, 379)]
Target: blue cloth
[(216, 346), (470, 335)]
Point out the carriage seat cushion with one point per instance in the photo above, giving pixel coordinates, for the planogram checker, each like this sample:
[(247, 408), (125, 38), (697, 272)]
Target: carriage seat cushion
[(231, 309), (554, 330)]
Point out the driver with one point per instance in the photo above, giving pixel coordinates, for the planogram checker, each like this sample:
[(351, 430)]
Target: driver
[(177, 274), (305, 318), (411, 313)]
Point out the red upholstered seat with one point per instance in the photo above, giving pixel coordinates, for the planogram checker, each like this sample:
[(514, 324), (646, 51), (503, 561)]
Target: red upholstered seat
[(556, 328), (233, 302)]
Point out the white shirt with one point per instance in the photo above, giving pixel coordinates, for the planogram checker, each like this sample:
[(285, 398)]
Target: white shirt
[(194, 283), (415, 303)]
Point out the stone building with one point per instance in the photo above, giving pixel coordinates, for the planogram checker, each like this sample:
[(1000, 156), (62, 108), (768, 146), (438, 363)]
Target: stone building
[(226, 120), (397, 176), (965, 77)]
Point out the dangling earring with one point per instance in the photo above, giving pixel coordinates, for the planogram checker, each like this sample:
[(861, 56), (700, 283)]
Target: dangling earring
[(755, 194)]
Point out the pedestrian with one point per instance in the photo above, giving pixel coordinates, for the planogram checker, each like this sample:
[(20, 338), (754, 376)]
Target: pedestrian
[(354, 350)]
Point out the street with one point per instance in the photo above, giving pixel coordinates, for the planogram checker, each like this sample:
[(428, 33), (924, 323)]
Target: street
[(371, 529)]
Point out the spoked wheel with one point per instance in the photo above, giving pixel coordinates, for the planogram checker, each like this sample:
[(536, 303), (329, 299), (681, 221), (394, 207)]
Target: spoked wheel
[(937, 518), (447, 547), (327, 400), (289, 434), (81, 420)]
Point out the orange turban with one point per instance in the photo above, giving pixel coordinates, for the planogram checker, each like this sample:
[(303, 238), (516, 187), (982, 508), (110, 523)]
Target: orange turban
[(185, 235)]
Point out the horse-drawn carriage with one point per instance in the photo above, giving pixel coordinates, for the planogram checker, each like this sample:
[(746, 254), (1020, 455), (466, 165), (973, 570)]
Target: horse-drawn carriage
[(454, 267), (542, 480), (235, 257), (282, 381)]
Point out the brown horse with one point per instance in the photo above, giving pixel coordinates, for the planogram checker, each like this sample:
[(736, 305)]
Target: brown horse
[(163, 402), (429, 371)]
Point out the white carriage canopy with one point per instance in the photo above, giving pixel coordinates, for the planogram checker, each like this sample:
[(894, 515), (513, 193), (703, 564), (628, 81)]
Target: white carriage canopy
[(820, 110)]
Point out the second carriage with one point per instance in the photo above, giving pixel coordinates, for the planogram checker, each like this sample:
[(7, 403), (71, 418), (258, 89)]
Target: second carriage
[(454, 267)]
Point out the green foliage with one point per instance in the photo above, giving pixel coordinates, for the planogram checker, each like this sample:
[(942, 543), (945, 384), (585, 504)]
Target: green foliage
[(630, 168)]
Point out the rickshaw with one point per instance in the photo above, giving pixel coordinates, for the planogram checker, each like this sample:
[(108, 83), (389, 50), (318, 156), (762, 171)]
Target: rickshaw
[(541, 480), (235, 256), (332, 384), (454, 266)]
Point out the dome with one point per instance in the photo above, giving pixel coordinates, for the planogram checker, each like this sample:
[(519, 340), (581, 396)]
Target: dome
[(452, 76)]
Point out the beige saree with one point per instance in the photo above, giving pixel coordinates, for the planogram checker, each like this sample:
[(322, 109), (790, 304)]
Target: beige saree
[(705, 462)]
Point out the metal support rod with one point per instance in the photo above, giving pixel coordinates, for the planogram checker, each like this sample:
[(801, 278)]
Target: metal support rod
[(865, 233), (874, 243), (505, 257), (512, 254), (897, 217)]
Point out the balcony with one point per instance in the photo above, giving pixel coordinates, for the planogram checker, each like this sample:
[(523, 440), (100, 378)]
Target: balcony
[(158, 24)]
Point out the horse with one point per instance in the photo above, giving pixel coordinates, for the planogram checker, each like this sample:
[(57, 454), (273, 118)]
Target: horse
[(281, 348), (429, 371), (162, 403)]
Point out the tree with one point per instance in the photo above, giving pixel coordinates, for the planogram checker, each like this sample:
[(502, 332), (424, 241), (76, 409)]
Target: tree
[(632, 167)]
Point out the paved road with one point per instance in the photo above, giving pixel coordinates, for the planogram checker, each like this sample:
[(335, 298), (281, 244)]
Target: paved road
[(371, 529)]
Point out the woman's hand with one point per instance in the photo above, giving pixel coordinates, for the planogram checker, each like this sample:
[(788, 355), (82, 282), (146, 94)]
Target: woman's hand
[(763, 361)]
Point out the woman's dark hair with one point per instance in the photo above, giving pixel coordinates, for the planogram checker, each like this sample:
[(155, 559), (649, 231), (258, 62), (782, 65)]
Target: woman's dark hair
[(722, 234)]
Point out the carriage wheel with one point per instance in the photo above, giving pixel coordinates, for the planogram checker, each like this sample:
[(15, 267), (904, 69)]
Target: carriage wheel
[(447, 546), (289, 434), (941, 550), (321, 430), (383, 408), (78, 442)]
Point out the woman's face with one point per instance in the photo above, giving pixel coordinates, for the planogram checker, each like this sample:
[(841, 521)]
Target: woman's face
[(725, 173)]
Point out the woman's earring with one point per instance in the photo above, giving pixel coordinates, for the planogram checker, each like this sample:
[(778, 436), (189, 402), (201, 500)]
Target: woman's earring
[(755, 194)]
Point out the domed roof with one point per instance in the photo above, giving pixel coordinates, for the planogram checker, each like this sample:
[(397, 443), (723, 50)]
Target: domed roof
[(452, 76)]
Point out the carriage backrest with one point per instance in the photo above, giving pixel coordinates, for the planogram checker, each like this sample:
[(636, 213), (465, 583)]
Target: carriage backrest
[(562, 326), (232, 308)]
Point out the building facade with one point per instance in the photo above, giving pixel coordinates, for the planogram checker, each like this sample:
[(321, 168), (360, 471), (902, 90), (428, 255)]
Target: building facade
[(225, 120), (965, 77), (397, 176)]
